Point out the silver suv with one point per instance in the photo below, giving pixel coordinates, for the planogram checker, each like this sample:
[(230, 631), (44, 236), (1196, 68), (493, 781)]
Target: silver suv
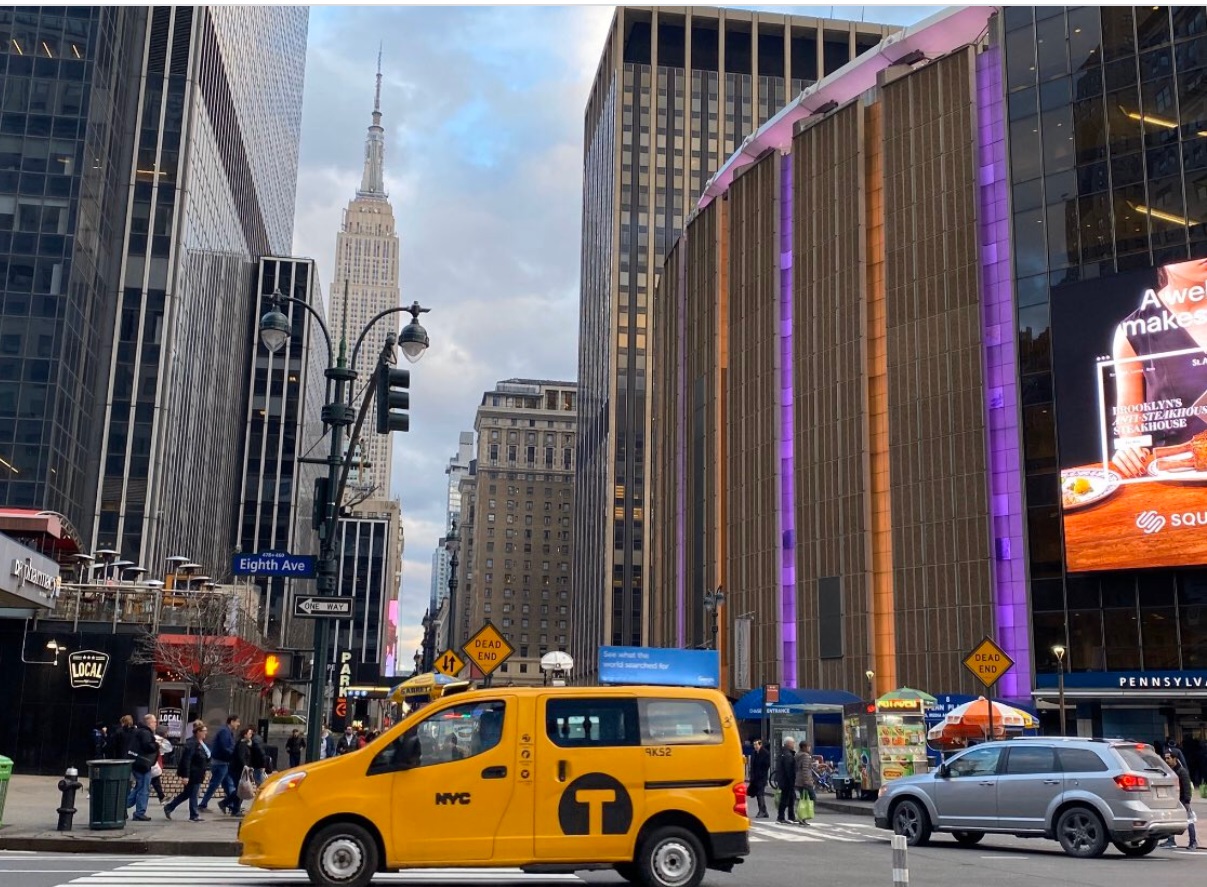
[(1085, 793)]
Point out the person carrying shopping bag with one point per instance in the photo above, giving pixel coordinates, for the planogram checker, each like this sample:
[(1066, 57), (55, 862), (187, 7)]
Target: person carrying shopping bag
[(785, 777), (806, 788)]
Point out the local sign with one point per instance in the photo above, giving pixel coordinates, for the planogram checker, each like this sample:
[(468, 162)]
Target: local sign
[(988, 662), (273, 563), (488, 649), (449, 663), (322, 607), (86, 669)]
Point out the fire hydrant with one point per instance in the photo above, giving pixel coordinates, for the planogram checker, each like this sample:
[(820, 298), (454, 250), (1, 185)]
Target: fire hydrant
[(68, 785)]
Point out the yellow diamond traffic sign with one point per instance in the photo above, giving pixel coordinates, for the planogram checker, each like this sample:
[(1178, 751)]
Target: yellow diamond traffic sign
[(488, 649), (449, 663), (988, 662)]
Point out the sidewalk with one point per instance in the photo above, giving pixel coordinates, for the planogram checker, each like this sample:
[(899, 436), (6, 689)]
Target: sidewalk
[(30, 818)]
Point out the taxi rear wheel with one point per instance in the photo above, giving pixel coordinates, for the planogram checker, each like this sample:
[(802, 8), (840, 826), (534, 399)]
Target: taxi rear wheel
[(343, 854), (671, 857)]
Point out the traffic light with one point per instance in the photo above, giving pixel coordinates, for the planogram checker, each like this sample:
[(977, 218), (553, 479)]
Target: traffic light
[(392, 399), (272, 665)]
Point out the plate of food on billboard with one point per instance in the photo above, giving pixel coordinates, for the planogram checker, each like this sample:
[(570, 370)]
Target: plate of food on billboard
[(1130, 370)]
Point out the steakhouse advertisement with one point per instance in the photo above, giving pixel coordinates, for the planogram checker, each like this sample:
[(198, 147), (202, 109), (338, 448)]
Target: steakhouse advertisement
[(1130, 366)]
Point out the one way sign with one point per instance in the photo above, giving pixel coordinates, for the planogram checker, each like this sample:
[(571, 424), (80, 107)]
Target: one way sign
[(322, 607), (449, 663)]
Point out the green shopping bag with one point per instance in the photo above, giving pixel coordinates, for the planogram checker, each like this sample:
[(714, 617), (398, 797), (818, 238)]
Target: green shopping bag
[(804, 808), (776, 793)]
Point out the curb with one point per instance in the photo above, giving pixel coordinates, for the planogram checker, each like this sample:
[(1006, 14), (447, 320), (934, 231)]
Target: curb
[(122, 846), (842, 807)]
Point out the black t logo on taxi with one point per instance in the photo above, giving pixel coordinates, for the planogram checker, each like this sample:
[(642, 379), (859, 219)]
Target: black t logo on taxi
[(595, 804)]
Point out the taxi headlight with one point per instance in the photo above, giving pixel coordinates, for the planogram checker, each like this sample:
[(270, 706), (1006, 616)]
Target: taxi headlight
[(286, 784)]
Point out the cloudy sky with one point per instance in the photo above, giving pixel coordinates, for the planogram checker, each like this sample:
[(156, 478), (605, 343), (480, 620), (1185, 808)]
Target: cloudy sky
[(483, 112)]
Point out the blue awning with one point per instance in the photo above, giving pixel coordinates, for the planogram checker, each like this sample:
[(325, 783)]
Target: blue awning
[(750, 706)]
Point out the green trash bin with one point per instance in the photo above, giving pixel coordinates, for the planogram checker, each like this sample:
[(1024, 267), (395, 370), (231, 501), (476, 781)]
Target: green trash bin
[(6, 772), (108, 788)]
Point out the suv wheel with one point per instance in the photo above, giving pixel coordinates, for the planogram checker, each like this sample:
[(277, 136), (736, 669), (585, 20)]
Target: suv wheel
[(968, 839), (1140, 847), (671, 857), (910, 820), (1081, 833), (341, 855)]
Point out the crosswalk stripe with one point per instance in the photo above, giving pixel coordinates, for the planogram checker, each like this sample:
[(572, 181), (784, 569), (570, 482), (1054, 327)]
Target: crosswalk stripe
[(229, 873)]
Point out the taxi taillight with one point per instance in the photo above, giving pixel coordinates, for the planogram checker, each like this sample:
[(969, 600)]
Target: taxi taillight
[(739, 798)]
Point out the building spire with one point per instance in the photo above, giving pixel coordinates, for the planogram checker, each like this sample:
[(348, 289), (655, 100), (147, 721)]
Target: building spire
[(371, 182)]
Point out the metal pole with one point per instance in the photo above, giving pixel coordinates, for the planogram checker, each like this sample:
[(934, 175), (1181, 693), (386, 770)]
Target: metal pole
[(1060, 681), (337, 415), (989, 706), (452, 600)]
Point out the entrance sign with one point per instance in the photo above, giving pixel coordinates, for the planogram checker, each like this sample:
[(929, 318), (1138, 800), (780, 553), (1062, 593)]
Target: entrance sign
[(449, 663), (488, 649), (988, 662)]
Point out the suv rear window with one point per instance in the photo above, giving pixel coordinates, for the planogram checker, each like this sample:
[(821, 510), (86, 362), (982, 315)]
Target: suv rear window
[(1029, 759), (1140, 758), (1080, 760)]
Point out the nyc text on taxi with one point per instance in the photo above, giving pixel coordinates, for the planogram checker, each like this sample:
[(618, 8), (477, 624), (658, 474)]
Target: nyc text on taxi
[(646, 780)]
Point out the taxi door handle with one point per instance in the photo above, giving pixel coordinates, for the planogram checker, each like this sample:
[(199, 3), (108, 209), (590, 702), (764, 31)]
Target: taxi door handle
[(561, 771), (494, 773)]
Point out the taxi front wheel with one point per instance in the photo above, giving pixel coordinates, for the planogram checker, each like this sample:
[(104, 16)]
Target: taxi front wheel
[(341, 855), (671, 857)]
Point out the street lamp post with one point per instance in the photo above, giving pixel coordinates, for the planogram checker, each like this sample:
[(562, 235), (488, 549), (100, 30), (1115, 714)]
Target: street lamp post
[(713, 601), (452, 542), (275, 331), (1058, 651), (871, 676)]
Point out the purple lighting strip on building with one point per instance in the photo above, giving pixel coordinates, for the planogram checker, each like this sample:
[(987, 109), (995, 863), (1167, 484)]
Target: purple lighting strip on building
[(1001, 380), (787, 461), (681, 450)]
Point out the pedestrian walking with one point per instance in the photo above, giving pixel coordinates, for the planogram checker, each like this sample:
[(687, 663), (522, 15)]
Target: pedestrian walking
[(258, 757), (326, 744), (194, 764), (240, 764), (220, 764), (143, 752), (785, 777), (760, 770), (294, 746), (165, 748), (121, 739), (1185, 792), (805, 784), (100, 740), (348, 742)]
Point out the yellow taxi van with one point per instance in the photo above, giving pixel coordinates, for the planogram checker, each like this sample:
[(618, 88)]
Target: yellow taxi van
[(645, 780)]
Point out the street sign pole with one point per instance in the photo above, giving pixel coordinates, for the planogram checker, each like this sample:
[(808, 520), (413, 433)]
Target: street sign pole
[(989, 738)]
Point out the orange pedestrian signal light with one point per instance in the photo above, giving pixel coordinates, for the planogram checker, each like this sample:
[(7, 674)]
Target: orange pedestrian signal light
[(272, 665)]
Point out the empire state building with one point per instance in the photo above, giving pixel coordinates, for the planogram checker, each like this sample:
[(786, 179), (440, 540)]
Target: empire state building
[(365, 284)]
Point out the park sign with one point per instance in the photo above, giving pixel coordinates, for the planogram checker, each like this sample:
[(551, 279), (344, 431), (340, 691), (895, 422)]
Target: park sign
[(988, 662), (488, 649), (273, 563)]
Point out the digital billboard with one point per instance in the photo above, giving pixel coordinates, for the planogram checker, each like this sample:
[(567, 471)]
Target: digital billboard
[(1130, 369)]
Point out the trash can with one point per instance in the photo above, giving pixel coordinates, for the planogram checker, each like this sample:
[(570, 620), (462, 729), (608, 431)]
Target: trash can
[(6, 772), (108, 788)]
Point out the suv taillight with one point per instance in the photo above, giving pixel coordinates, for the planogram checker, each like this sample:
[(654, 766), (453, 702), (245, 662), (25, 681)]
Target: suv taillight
[(1132, 782), (739, 798)]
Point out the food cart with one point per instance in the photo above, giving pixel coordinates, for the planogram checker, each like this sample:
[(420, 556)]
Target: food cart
[(884, 740)]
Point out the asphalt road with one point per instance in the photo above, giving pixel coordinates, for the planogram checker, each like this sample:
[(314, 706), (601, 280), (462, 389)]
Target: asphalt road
[(839, 851)]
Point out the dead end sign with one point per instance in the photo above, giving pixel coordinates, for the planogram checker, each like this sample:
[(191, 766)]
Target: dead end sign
[(488, 649), (988, 662)]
